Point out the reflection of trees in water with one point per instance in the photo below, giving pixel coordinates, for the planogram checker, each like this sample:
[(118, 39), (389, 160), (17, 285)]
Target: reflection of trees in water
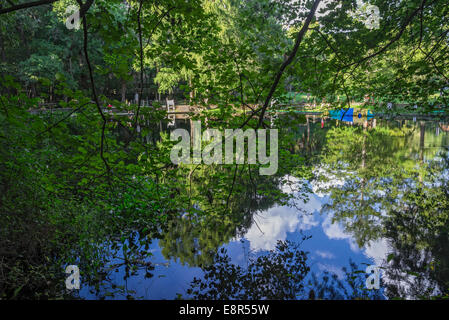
[(418, 227), (223, 200), (373, 167), (215, 203), (393, 187), (196, 240), (380, 198), (365, 162), (196, 237), (351, 287), (309, 136), (279, 274)]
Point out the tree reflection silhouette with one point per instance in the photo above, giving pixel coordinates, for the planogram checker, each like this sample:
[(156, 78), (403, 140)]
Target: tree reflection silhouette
[(279, 275)]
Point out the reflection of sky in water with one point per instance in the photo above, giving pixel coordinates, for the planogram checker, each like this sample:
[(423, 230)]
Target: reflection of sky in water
[(330, 248)]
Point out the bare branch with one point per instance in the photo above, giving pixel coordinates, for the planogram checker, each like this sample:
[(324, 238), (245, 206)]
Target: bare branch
[(94, 92), (392, 41), (290, 58), (139, 27), (26, 5)]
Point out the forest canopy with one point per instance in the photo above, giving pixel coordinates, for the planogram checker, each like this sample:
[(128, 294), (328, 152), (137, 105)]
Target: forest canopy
[(74, 176)]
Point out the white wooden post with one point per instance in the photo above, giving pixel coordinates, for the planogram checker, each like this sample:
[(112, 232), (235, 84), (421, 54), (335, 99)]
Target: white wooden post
[(171, 108)]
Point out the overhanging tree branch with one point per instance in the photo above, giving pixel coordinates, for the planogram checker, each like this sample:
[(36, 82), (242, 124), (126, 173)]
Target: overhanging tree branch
[(26, 5), (83, 7), (289, 59), (139, 27), (94, 92), (392, 41)]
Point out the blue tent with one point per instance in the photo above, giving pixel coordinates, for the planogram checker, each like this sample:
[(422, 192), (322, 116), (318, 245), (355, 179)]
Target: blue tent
[(351, 114)]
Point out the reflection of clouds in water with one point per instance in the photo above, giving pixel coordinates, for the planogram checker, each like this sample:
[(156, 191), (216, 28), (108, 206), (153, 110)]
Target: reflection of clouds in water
[(293, 185), (377, 250), (322, 9), (274, 224), (324, 254), (332, 269), (335, 231), (326, 181)]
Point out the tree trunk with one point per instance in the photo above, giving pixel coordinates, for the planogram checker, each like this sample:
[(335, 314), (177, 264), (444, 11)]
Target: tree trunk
[(2, 49), (123, 91), (421, 140)]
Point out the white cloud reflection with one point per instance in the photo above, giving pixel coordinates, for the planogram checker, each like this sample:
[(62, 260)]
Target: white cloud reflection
[(274, 224), (325, 254)]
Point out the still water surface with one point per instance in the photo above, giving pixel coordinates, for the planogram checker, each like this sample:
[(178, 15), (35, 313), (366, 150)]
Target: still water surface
[(375, 196)]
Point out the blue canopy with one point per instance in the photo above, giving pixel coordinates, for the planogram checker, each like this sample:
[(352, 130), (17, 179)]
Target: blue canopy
[(350, 114)]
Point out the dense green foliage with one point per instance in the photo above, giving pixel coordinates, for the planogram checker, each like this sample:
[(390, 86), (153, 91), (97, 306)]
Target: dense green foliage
[(81, 185)]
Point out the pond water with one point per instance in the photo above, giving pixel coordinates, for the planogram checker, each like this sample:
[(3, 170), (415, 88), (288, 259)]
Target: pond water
[(375, 195)]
